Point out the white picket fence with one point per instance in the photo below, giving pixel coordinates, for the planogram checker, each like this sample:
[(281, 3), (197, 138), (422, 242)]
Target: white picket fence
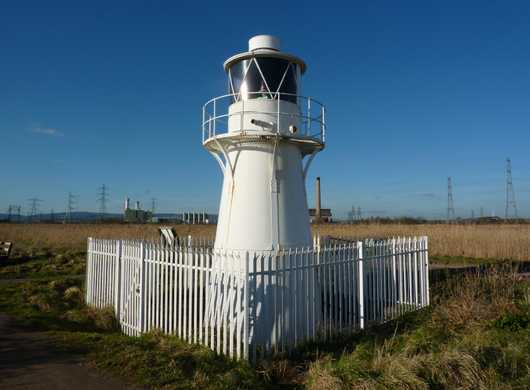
[(249, 304)]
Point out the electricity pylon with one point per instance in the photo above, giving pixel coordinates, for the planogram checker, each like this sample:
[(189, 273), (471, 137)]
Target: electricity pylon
[(70, 207), (450, 205), (102, 199), (510, 193), (34, 208)]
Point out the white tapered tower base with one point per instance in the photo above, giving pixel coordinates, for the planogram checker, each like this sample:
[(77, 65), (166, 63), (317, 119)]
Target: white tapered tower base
[(263, 204)]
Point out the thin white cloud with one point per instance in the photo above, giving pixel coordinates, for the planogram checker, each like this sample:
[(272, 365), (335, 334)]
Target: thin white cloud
[(47, 131)]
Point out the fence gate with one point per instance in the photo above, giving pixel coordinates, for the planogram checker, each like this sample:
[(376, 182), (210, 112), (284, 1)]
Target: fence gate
[(132, 274)]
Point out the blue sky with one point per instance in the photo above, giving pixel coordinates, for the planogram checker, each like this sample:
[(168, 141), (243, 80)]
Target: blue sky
[(111, 92)]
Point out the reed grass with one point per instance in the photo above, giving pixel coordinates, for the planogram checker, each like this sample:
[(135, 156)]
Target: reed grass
[(496, 241), (34, 238)]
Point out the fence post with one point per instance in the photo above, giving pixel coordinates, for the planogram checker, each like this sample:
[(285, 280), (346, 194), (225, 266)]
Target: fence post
[(142, 286), (88, 278), (246, 299), (427, 292), (361, 283), (394, 279), (317, 289), (117, 281), (401, 279)]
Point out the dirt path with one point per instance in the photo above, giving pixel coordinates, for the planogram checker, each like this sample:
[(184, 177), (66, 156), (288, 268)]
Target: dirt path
[(29, 360)]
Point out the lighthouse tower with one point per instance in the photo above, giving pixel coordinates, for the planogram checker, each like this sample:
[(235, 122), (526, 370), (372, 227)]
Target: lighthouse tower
[(264, 135)]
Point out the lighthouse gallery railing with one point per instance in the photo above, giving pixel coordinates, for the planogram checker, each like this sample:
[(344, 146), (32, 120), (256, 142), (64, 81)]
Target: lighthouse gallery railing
[(245, 304), (312, 114)]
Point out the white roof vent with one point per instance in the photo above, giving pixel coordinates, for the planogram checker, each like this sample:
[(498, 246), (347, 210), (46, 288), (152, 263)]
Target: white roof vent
[(267, 42)]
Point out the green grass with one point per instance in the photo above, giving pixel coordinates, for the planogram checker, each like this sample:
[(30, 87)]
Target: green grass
[(162, 361), (52, 301), (52, 304), (43, 265), (476, 334)]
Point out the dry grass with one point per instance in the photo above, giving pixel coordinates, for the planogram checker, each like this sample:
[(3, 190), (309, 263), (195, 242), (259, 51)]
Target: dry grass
[(475, 298), (473, 241), (322, 378), (477, 337), (73, 237)]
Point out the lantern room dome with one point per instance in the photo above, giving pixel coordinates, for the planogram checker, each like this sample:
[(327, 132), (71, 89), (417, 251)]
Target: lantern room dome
[(265, 46), (263, 42)]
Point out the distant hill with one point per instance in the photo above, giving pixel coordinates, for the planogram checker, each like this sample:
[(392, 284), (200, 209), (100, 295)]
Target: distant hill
[(77, 216), (80, 216)]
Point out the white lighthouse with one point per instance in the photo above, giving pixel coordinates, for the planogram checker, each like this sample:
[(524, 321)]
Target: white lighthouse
[(264, 135), (263, 288)]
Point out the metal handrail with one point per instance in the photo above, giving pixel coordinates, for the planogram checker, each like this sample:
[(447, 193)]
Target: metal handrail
[(211, 117)]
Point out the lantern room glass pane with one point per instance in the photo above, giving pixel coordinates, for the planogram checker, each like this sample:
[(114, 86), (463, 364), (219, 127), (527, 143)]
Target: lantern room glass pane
[(252, 85), (290, 83), (237, 72)]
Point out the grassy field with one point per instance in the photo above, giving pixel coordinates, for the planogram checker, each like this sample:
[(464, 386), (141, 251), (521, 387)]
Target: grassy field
[(499, 241), (496, 241), (56, 306), (476, 334)]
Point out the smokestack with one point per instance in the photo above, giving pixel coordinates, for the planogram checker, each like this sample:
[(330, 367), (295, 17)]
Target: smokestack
[(127, 200), (137, 205), (317, 208)]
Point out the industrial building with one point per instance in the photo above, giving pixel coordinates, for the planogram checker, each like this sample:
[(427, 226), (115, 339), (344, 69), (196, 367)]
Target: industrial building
[(325, 216), (136, 215), (198, 218)]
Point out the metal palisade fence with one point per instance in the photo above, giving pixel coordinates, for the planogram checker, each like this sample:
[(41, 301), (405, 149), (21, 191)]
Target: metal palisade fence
[(250, 304)]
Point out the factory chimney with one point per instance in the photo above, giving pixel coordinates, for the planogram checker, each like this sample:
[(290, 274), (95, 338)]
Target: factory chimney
[(318, 205), (137, 205), (127, 200)]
